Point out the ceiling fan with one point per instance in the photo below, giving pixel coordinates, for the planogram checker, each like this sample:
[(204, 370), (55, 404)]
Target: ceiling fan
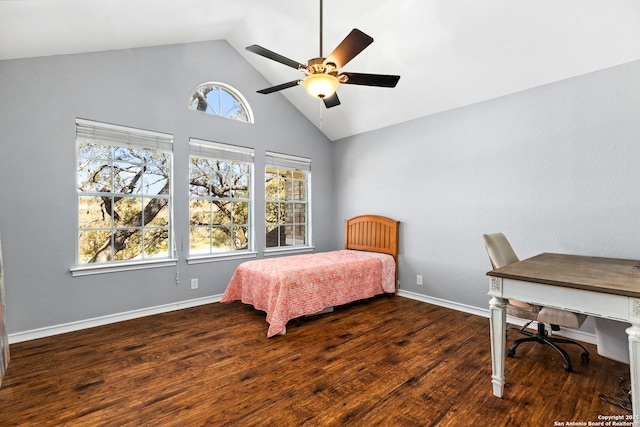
[(323, 75)]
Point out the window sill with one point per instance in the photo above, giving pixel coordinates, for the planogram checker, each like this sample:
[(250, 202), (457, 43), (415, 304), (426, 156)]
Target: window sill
[(288, 251), (218, 258), (87, 270)]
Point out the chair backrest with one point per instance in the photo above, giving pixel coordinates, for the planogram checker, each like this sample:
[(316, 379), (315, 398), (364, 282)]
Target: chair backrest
[(500, 251)]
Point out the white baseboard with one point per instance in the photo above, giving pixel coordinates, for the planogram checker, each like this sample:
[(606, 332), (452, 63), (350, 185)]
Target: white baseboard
[(574, 334), (111, 318), (134, 314)]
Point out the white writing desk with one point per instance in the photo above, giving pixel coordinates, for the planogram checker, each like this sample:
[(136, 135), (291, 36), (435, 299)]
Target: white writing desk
[(602, 287)]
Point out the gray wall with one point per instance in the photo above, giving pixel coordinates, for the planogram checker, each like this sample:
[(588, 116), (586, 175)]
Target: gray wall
[(556, 168), (144, 88)]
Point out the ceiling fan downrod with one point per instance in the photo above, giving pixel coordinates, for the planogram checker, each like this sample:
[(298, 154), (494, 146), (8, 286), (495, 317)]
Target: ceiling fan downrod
[(320, 55)]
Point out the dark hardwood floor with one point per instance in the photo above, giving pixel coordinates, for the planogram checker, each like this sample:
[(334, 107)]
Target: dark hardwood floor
[(385, 361)]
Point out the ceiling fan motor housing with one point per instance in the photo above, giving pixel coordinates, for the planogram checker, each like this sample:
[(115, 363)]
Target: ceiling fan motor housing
[(318, 66)]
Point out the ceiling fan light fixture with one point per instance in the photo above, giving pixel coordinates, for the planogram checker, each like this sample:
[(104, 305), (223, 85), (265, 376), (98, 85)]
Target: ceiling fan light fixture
[(321, 85)]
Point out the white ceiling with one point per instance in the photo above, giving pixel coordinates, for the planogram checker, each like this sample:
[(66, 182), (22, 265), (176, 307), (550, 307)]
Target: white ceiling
[(449, 53)]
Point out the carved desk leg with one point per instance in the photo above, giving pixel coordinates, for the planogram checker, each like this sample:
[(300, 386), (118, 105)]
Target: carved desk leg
[(634, 358), (498, 321)]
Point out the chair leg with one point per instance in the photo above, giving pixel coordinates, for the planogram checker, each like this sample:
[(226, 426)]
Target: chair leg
[(565, 341), (584, 356), (511, 351), (567, 360)]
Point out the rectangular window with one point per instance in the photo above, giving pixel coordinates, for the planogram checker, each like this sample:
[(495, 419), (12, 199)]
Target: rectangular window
[(220, 208), (287, 187), (124, 194)]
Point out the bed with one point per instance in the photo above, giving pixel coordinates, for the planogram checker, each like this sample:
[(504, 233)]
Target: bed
[(290, 287)]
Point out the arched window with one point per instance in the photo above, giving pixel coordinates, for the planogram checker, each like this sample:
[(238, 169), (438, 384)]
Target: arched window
[(222, 100)]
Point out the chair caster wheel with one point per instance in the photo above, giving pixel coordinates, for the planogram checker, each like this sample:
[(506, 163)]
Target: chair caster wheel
[(584, 357), (511, 353)]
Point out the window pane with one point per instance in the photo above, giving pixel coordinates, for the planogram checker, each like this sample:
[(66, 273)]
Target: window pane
[(275, 234), (275, 188), (127, 244), (239, 181), (156, 176), (221, 240), (285, 173), (199, 212), (221, 213), (127, 154), (300, 175), (300, 235), (94, 176), (128, 211), (90, 150), (299, 191), (127, 178), (241, 213), (91, 213), (240, 238), (299, 213), (286, 192), (273, 213), (91, 243), (199, 240), (156, 242), (158, 208), (241, 193), (198, 178)]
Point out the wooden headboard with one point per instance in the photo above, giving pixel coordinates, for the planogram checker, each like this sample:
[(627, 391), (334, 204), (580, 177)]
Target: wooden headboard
[(373, 233)]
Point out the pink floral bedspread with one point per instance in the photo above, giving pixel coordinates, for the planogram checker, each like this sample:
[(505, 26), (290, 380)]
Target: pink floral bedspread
[(294, 286)]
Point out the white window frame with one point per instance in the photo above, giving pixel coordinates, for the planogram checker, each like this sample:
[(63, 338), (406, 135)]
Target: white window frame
[(120, 136), (295, 164), (233, 153)]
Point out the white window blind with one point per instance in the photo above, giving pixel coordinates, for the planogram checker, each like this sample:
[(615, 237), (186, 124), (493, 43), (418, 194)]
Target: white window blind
[(216, 150), (104, 133), (285, 161)]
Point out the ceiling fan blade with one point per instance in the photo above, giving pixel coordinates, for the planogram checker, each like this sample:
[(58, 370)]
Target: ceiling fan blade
[(381, 80), (351, 46), (280, 87), (275, 56), (331, 101)]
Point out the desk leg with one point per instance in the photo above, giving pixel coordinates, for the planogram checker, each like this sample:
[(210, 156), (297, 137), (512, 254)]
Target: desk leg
[(498, 322), (634, 368)]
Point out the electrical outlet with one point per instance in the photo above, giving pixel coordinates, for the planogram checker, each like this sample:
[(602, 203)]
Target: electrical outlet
[(194, 283), (419, 280)]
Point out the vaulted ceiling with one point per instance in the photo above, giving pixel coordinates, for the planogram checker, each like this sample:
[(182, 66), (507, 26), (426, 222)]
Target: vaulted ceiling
[(449, 53)]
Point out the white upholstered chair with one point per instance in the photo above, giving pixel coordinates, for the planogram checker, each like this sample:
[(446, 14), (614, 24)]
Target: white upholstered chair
[(501, 254)]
